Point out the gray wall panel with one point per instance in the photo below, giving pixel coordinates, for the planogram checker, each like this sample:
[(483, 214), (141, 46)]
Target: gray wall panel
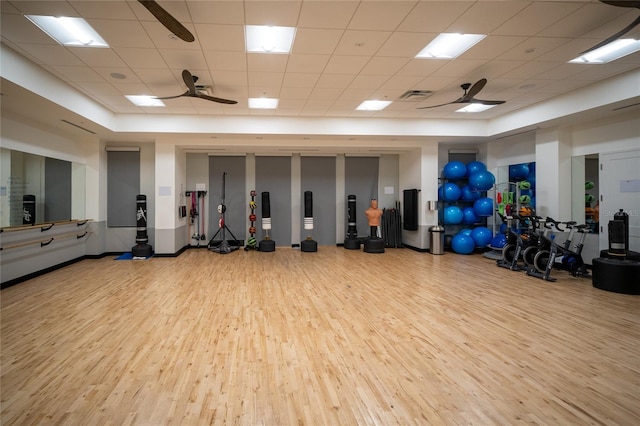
[(57, 189), (123, 185), (273, 175), (318, 175), (361, 180), (235, 196)]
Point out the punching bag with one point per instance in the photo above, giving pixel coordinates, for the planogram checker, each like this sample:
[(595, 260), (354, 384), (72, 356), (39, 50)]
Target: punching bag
[(267, 244), (142, 249), (28, 209), (308, 245), (351, 242)]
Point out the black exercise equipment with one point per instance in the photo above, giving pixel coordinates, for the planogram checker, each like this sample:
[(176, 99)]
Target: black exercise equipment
[(308, 245), (251, 241), (196, 214), (142, 249), (352, 242), (563, 256), (223, 247), (392, 227), (512, 250), (28, 209), (617, 269), (267, 244)]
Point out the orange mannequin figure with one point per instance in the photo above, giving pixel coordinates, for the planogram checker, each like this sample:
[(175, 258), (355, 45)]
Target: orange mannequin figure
[(373, 214)]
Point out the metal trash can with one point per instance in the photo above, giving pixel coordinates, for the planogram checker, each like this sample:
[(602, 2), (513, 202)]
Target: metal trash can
[(436, 239)]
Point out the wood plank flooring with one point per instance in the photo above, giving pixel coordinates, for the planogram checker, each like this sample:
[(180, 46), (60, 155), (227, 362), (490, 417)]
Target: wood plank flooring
[(336, 337)]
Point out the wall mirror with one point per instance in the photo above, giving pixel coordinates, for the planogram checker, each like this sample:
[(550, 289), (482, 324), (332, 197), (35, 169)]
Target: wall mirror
[(35, 189)]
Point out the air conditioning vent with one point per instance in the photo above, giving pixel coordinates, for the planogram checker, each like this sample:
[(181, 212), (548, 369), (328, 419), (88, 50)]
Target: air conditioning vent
[(415, 95)]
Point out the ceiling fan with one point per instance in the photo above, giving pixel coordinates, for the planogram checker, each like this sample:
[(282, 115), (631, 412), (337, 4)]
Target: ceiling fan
[(469, 95), (167, 20), (622, 3), (193, 92)]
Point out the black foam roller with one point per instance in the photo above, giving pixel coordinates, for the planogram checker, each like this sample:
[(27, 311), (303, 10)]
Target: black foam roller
[(266, 205), (308, 204)]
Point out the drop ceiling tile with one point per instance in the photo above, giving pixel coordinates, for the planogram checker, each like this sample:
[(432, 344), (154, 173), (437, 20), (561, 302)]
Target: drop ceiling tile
[(177, 9), (138, 57), (104, 9), (537, 16), (324, 94), (221, 37), (532, 48), (302, 63), (368, 81), (404, 44), (355, 95), (276, 13), (530, 70), (334, 81), (98, 57), (43, 7), (582, 21), (384, 65), (494, 69), (403, 83), (227, 78), (458, 68), (184, 59), (105, 73), (132, 88), (52, 55), (217, 12), (326, 15), (433, 16), (300, 80), (263, 92), (162, 38), (380, 16), (485, 16), (267, 63), (226, 61), (312, 41), (295, 93), (267, 79), (122, 33), (422, 67), (492, 46), (156, 76), (342, 64), (79, 73), (19, 29), (99, 89), (361, 43)]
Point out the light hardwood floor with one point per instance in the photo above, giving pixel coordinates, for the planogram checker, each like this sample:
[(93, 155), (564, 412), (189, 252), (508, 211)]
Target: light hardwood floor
[(336, 337)]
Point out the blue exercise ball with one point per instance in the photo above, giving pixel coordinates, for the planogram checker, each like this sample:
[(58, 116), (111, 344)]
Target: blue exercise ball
[(482, 236), (503, 228), (450, 192), (475, 166), (452, 215), (482, 180), (466, 231), (454, 170), (462, 244), (518, 171), (469, 216), (531, 178), (469, 193), (483, 207), (499, 241)]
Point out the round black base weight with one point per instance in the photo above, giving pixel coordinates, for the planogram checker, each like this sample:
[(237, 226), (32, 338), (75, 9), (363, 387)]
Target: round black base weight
[(374, 245), (267, 245), (309, 246), (352, 244), (141, 250), (618, 276)]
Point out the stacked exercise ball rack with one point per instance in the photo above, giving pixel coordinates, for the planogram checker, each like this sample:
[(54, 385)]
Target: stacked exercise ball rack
[(464, 205)]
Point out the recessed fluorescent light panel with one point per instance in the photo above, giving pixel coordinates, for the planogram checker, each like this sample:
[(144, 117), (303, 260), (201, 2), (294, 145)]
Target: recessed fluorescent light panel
[(68, 31), (373, 105), (475, 108), (145, 101), (609, 52), (263, 103), (265, 39), (449, 45)]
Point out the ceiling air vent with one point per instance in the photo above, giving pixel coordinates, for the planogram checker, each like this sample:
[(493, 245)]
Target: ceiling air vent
[(415, 95)]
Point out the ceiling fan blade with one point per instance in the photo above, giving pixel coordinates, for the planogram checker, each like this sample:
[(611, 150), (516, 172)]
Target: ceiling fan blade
[(480, 101), (475, 89), (436, 106), (613, 37), (214, 99), (173, 97), (188, 80), (167, 20)]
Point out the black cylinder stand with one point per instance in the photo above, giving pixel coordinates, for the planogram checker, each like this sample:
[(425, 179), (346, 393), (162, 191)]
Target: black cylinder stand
[(142, 249), (308, 245), (267, 244), (352, 242)]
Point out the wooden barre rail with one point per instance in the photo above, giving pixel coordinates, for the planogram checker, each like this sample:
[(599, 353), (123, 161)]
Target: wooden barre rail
[(47, 241), (45, 226)]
